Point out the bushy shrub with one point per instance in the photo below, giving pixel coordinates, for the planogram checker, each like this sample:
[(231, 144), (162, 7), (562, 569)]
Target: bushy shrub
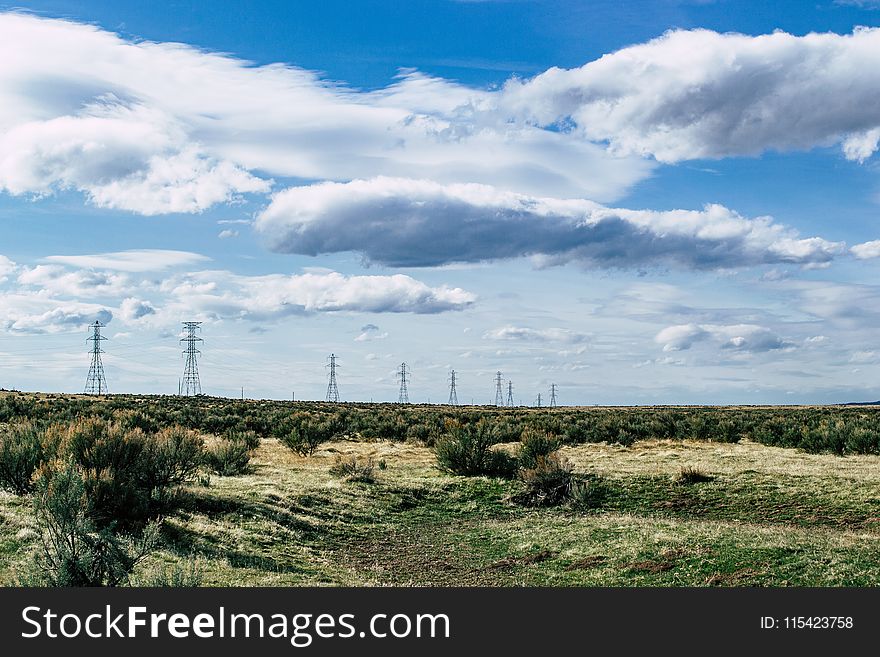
[(548, 483), (188, 574), (228, 458), (467, 450), (23, 448), (535, 444), (353, 470), (692, 475), (75, 551), (130, 476), (248, 438), (303, 440)]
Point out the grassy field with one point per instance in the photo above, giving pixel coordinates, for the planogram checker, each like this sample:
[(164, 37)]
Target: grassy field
[(767, 516)]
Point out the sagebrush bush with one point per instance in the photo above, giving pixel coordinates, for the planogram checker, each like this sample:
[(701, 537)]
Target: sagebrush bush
[(248, 438), (692, 475), (466, 449), (548, 483), (303, 440), (23, 448), (74, 550), (535, 444), (227, 458), (353, 470), (188, 574), (129, 476)]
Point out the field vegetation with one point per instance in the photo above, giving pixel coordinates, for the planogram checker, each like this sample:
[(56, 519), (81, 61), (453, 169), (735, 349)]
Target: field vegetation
[(166, 491)]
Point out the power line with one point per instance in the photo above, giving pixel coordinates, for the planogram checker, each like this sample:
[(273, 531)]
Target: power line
[(403, 396), (453, 395), (96, 384), (499, 394), (332, 389), (191, 385)]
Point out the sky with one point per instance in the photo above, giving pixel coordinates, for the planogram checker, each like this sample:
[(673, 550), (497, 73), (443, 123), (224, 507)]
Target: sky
[(666, 202)]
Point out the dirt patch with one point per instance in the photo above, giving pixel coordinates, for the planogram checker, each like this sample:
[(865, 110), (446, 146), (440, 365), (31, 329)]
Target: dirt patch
[(740, 577), (588, 563)]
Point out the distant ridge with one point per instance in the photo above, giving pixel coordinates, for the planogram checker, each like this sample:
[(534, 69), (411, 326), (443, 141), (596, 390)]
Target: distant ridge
[(873, 403)]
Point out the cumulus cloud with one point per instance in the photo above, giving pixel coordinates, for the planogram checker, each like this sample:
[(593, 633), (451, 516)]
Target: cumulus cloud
[(34, 314), (227, 234), (526, 334), (7, 267), (700, 94), (737, 337), (131, 309), (406, 222), (866, 250), (134, 260)]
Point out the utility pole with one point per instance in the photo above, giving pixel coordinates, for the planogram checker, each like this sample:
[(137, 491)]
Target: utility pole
[(499, 394), (332, 389), (553, 395), (510, 393), (453, 395), (191, 383), (402, 373), (96, 384)]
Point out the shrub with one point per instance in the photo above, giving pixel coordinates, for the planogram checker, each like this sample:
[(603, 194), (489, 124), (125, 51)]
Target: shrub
[(535, 444), (352, 470), (548, 483), (303, 440), (74, 550), (467, 450), (130, 476), (248, 438), (23, 448), (692, 475), (227, 458), (588, 492)]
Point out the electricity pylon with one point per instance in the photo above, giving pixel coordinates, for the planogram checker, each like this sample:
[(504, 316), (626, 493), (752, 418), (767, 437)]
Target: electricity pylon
[(96, 384), (402, 373), (510, 393), (332, 389), (553, 395), (191, 384), (453, 395), (499, 394), (538, 401)]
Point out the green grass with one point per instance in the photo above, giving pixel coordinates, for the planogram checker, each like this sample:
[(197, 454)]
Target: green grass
[(768, 516)]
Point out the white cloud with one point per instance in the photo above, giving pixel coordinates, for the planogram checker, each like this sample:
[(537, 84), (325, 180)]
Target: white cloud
[(164, 127), (131, 309), (406, 222), (866, 250), (7, 267), (700, 94), (535, 335), (135, 260), (227, 234), (736, 337), (37, 314)]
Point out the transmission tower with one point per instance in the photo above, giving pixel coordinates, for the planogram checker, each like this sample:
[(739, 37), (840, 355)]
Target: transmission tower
[(453, 395), (499, 394), (538, 401), (191, 384), (402, 373), (332, 390), (96, 384), (553, 395), (510, 393)]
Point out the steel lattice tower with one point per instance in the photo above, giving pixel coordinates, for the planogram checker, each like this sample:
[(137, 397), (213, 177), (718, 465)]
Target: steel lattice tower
[(538, 401), (191, 384), (96, 384), (453, 395), (499, 394), (332, 389), (553, 395), (403, 397), (510, 393)]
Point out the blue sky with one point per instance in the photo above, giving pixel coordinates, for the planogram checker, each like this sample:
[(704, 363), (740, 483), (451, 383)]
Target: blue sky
[(555, 190)]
